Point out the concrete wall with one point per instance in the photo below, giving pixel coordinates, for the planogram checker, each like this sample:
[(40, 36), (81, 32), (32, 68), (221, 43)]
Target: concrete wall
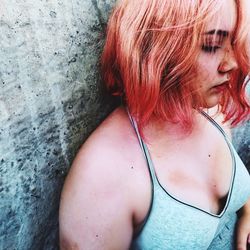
[(241, 141), (50, 100)]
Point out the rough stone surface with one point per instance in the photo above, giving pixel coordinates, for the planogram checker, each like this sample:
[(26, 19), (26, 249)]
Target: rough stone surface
[(50, 101), (241, 141), (241, 138)]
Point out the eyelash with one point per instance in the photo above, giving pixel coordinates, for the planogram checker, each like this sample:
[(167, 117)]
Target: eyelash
[(210, 49)]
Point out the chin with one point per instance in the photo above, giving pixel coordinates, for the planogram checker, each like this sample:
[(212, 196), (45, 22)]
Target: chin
[(212, 101)]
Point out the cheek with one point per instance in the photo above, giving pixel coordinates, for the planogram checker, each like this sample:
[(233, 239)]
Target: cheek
[(207, 67)]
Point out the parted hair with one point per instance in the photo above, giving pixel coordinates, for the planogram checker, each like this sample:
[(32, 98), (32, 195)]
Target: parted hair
[(150, 53)]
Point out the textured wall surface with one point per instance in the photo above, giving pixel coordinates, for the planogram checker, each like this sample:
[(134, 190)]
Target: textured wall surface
[(241, 141), (50, 100)]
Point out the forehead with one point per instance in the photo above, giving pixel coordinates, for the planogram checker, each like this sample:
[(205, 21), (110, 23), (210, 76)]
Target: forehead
[(226, 17)]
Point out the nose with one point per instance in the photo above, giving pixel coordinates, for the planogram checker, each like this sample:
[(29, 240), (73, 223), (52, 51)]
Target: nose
[(228, 63)]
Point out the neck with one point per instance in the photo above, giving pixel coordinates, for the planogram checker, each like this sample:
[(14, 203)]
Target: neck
[(160, 130)]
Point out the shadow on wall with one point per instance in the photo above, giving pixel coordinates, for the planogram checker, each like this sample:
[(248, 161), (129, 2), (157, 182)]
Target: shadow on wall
[(50, 101)]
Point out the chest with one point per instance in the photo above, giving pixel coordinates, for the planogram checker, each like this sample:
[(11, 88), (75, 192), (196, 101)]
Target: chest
[(197, 172)]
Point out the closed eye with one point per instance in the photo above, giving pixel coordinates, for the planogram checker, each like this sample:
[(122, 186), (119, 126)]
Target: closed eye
[(210, 49)]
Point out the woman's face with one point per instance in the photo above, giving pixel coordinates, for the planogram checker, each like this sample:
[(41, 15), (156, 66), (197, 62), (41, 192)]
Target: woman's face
[(216, 59)]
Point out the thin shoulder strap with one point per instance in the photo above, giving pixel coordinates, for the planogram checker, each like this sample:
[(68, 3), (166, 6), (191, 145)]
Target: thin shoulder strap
[(144, 149), (209, 118), (214, 123)]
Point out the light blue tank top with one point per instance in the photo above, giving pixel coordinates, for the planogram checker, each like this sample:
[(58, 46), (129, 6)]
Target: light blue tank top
[(172, 224)]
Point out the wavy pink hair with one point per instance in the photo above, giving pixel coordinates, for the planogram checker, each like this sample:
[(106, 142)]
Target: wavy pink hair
[(150, 53)]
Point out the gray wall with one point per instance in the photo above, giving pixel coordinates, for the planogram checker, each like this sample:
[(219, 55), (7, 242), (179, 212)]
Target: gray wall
[(50, 100), (241, 141)]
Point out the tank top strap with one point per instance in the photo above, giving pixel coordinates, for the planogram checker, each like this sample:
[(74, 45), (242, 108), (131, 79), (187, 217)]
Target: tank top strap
[(144, 149), (214, 123), (228, 141)]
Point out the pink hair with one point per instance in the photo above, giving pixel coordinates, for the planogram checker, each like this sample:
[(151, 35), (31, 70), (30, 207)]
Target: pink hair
[(149, 56), (235, 105)]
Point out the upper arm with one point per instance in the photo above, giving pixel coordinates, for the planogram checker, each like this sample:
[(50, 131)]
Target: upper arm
[(94, 209)]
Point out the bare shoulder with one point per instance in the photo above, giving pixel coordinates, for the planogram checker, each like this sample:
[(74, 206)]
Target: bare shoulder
[(99, 196), (113, 145)]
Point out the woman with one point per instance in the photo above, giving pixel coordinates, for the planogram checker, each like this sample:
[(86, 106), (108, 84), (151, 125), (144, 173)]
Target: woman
[(159, 172)]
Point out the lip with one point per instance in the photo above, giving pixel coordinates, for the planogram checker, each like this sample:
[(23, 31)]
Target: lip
[(220, 87)]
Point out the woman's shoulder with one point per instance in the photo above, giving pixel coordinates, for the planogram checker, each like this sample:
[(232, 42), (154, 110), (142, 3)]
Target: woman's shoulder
[(109, 147), (112, 156), (113, 138), (116, 126), (103, 180)]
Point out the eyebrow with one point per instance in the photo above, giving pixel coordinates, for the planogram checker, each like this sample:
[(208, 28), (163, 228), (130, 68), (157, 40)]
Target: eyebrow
[(221, 33)]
